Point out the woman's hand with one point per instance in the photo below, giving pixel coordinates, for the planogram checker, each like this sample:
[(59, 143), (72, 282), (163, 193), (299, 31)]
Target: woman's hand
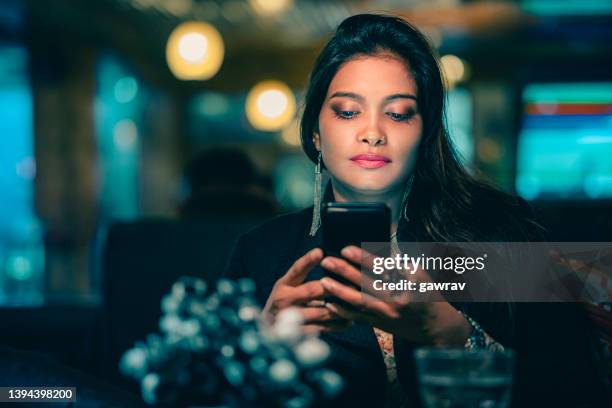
[(291, 291), (437, 322)]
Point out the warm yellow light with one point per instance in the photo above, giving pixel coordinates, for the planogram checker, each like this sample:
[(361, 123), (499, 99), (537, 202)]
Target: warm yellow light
[(193, 47), (270, 7), (454, 69), (194, 50), (270, 106)]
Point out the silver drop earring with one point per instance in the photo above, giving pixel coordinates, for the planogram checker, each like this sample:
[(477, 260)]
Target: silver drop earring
[(316, 210), (395, 249), (407, 191)]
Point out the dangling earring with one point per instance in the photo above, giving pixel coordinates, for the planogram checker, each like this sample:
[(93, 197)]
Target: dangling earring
[(316, 210), (405, 197)]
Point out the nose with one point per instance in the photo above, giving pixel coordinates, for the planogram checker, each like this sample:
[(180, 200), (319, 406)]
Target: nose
[(374, 139), (373, 134)]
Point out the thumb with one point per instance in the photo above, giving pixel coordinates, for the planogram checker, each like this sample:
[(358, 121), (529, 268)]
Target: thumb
[(299, 270)]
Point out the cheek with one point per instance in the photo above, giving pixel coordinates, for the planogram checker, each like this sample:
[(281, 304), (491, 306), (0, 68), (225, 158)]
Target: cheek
[(411, 145), (327, 125), (332, 147), (412, 139), (333, 136), (408, 148)]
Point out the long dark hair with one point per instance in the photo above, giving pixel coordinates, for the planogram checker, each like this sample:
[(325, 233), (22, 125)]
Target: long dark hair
[(446, 203)]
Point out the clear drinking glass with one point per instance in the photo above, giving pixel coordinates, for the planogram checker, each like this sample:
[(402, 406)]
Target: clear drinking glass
[(460, 378)]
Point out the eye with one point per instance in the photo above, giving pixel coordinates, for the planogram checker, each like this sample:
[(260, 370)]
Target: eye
[(400, 117), (344, 114)]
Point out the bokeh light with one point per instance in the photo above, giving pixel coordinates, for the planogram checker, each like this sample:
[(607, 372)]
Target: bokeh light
[(270, 7), (125, 135), (213, 104), (126, 89), (270, 106), (455, 70), (193, 47), (195, 51)]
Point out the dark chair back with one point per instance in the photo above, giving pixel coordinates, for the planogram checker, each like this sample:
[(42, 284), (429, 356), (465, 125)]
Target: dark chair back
[(142, 260)]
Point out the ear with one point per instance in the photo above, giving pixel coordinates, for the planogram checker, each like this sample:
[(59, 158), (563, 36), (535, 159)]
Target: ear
[(316, 139)]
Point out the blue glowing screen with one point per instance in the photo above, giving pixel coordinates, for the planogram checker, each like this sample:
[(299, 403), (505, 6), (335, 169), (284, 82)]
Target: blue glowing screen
[(565, 142)]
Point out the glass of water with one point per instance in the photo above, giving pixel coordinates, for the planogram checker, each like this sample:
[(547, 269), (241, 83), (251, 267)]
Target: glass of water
[(460, 378)]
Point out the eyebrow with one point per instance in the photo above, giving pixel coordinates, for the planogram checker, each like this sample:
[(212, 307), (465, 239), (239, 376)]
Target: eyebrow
[(358, 97)]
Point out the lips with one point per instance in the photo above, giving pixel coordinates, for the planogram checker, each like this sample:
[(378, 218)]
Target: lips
[(370, 161)]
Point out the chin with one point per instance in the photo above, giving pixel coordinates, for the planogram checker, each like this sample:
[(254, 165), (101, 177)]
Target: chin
[(370, 187), (371, 184)]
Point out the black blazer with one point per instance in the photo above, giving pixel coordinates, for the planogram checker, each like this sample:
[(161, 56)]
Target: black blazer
[(554, 364)]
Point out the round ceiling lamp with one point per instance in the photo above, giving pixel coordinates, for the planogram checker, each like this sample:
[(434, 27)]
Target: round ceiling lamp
[(195, 51)]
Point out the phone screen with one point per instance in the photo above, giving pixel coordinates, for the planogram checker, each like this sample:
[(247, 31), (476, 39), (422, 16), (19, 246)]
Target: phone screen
[(352, 224)]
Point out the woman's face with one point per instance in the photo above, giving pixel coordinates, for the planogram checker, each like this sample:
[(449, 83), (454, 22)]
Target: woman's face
[(370, 126)]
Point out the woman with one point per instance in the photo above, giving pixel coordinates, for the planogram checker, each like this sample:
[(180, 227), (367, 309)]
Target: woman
[(373, 118)]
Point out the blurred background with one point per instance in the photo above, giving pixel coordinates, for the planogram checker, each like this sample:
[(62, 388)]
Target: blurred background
[(139, 137)]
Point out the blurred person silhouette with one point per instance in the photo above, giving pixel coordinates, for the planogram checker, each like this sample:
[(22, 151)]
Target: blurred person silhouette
[(225, 182), (225, 196)]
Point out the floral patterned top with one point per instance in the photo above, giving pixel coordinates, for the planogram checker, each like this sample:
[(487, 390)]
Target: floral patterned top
[(394, 395)]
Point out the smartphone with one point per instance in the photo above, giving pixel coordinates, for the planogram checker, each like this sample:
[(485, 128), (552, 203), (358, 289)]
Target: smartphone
[(351, 224)]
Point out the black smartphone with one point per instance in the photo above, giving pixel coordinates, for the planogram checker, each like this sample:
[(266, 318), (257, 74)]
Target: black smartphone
[(351, 224)]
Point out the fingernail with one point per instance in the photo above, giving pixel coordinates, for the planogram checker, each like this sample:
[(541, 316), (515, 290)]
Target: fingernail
[(327, 263), (327, 283), (331, 307), (348, 251)]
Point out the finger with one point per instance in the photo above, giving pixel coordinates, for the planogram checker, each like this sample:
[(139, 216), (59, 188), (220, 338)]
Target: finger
[(366, 259), (309, 329), (362, 301), (343, 292), (299, 270), (343, 312), (359, 256), (344, 269), (308, 292), (316, 303), (354, 315), (347, 271), (317, 314), (299, 295), (326, 327)]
